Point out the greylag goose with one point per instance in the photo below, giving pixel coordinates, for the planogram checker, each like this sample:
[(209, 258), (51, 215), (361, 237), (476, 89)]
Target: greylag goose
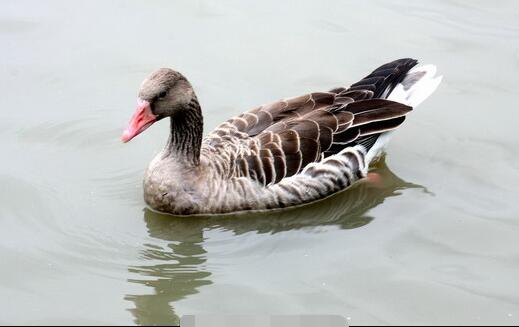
[(286, 153)]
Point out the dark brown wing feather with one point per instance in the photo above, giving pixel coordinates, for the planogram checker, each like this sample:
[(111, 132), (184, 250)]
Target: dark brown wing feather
[(265, 117), (287, 135)]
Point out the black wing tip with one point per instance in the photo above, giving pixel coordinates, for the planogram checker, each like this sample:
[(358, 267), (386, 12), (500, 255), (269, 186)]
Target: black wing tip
[(382, 80), (405, 61), (403, 64)]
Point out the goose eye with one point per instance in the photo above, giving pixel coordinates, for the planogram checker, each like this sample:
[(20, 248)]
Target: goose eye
[(162, 95)]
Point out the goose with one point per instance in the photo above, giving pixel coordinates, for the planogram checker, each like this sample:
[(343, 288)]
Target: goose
[(286, 153)]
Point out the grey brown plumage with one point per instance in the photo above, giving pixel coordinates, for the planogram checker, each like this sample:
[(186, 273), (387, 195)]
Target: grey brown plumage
[(288, 152), (289, 134)]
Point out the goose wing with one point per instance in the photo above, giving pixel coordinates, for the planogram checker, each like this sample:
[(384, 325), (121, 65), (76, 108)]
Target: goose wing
[(287, 147), (280, 139)]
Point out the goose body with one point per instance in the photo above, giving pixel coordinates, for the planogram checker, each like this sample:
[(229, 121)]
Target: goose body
[(286, 153)]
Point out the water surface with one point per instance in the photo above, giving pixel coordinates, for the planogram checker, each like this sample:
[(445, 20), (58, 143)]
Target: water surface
[(435, 243)]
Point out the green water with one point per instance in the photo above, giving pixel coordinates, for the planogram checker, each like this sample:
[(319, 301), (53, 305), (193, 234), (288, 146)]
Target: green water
[(435, 243)]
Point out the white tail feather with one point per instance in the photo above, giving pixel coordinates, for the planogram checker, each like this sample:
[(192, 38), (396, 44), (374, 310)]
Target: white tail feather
[(418, 85)]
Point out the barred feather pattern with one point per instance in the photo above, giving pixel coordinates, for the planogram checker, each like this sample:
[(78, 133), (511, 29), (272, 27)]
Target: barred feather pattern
[(292, 151)]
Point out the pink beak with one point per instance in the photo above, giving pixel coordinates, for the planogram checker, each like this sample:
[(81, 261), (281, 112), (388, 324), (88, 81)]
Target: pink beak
[(142, 119)]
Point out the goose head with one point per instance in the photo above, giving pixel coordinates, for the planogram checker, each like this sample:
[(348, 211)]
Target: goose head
[(165, 93)]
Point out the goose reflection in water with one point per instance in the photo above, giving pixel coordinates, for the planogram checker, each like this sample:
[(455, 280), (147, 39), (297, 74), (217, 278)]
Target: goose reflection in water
[(181, 270)]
